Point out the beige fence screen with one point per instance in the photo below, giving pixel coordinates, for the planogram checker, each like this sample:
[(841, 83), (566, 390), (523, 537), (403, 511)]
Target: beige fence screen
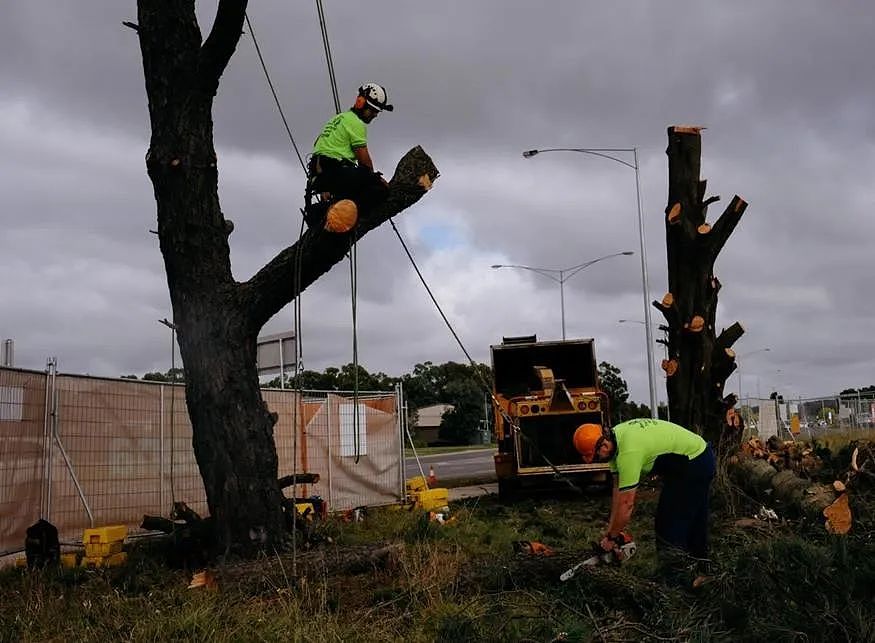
[(82, 451)]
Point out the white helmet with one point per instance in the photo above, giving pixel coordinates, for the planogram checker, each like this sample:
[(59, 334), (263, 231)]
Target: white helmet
[(375, 96)]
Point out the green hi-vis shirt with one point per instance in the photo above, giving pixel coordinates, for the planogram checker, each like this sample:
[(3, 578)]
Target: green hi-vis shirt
[(341, 135), (640, 442)]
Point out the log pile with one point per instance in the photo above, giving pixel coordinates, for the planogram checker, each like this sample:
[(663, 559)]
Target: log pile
[(784, 473), (799, 457)]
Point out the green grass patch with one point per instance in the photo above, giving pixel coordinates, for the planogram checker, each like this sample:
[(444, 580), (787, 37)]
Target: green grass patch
[(462, 581)]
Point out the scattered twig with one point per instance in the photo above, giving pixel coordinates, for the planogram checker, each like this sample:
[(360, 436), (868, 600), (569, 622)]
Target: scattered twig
[(595, 623)]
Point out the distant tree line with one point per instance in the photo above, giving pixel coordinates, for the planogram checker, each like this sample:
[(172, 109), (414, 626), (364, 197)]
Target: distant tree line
[(854, 391), (462, 386)]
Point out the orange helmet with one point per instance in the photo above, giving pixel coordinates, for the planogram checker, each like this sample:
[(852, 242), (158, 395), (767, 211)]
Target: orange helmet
[(586, 440)]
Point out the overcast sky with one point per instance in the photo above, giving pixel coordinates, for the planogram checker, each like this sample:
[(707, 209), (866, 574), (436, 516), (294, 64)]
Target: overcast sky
[(785, 89)]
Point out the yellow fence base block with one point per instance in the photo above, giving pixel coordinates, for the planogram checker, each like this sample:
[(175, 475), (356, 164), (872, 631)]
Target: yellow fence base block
[(102, 550), (416, 484), (69, 560), (104, 535), (107, 561), (431, 499)]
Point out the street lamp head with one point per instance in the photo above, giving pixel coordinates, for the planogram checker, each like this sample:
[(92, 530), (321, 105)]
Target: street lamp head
[(529, 153), (497, 265), (628, 253)]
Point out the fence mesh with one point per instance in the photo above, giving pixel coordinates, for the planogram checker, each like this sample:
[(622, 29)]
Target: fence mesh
[(790, 418), (82, 451)]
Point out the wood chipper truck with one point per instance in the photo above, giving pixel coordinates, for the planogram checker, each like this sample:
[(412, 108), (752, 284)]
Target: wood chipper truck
[(547, 389)]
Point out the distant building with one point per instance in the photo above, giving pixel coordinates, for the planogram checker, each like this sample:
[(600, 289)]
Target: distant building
[(428, 422)]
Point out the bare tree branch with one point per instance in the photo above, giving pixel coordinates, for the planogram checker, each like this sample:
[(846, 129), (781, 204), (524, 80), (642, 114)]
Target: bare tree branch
[(222, 41)]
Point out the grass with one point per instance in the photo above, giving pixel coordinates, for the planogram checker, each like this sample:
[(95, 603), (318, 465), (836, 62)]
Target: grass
[(462, 582)]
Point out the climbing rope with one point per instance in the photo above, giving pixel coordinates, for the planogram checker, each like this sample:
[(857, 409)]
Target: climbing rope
[(326, 45), (484, 384)]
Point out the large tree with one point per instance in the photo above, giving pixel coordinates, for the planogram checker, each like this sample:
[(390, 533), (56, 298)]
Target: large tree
[(217, 317)]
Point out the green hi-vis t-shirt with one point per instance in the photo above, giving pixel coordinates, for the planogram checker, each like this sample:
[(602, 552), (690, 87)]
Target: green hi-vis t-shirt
[(640, 442), (341, 135)]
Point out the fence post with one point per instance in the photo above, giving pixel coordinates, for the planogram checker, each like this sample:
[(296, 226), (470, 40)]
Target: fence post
[(328, 446), (161, 498), (401, 414)]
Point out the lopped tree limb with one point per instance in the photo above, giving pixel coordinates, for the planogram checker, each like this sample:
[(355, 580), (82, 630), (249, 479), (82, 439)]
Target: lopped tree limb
[(724, 226), (276, 284), (729, 336)]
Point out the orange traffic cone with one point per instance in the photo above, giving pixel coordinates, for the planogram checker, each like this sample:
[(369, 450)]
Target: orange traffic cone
[(432, 478)]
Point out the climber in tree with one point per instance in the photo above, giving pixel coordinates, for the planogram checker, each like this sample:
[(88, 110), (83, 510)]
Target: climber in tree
[(341, 168)]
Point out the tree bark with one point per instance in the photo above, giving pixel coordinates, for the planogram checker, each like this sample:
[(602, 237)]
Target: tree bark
[(782, 489), (700, 362), (217, 318)]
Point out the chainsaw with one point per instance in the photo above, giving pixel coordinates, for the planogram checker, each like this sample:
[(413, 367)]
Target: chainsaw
[(625, 548)]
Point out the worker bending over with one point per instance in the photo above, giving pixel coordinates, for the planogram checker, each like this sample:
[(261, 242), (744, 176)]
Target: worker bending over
[(683, 460), (341, 166)]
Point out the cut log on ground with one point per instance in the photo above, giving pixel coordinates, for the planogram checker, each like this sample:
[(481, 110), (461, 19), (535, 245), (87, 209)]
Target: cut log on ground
[(784, 490)]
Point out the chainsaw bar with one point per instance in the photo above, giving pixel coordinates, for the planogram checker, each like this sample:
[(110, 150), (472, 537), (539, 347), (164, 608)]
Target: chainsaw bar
[(618, 555)]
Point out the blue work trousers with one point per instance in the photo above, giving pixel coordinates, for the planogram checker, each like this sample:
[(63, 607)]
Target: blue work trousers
[(682, 513)]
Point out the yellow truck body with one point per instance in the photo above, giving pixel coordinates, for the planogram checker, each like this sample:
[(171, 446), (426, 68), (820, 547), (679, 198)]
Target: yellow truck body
[(546, 390)]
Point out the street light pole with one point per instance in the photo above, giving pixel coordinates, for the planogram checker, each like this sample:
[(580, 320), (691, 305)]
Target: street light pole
[(607, 153), (564, 274)]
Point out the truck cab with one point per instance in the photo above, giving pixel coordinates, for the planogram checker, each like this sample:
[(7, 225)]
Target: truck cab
[(543, 391)]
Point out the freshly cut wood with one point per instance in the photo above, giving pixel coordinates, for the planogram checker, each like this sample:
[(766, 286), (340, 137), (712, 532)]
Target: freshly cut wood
[(667, 300), (839, 486), (688, 129), (705, 228), (838, 516), (696, 324), (674, 214), (424, 182), (670, 366), (732, 418)]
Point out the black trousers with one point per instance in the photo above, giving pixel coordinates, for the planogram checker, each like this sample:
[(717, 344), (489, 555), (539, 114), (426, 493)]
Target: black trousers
[(347, 180), (682, 513)]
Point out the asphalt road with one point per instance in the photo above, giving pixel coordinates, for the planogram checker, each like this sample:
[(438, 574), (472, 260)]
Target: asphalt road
[(454, 466)]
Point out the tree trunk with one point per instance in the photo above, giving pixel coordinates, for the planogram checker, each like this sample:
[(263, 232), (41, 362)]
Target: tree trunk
[(784, 490), (217, 318), (699, 361)]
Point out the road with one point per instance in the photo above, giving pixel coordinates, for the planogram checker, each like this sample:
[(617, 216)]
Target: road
[(454, 466)]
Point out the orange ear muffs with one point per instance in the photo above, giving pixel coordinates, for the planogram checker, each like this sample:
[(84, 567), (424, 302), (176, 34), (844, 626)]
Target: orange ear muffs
[(359, 102)]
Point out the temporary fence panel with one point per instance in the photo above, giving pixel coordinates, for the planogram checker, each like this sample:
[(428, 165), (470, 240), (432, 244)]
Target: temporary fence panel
[(22, 452), (82, 451), (347, 481)]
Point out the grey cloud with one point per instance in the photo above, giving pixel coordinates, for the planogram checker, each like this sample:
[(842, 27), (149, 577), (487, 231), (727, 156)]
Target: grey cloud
[(786, 95)]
